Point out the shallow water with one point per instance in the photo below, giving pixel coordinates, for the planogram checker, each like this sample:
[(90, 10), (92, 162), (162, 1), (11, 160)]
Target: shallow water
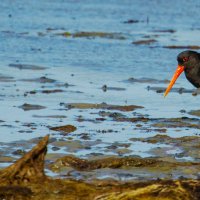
[(29, 34)]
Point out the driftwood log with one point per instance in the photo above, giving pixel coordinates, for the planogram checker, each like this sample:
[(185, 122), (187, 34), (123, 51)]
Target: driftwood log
[(29, 168)]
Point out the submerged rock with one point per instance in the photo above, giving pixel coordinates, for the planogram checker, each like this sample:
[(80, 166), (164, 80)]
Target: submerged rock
[(50, 116), (111, 162), (101, 106), (118, 36), (131, 21), (195, 112), (166, 31), (26, 180), (114, 115), (176, 90), (182, 47), (147, 42), (177, 122), (64, 129), (4, 78), (44, 91), (27, 107), (105, 88), (51, 91), (42, 79), (183, 149), (27, 66), (146, 80), (86, 34)]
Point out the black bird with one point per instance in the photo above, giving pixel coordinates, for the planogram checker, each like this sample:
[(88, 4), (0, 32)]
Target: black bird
[(189, 62)]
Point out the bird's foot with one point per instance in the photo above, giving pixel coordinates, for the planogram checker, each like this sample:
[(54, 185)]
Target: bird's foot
[(196, 92)]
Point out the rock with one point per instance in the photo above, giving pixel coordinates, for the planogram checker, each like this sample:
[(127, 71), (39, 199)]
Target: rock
[(42, 79), (27, 66), (131, 21), (182, 47), (147, 42), (111, 162), (101, 106), (64, 129), (27, 107), (195, 112)]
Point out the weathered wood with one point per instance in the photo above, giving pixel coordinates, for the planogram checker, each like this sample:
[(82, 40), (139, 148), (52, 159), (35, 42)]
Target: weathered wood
[(29, 168)]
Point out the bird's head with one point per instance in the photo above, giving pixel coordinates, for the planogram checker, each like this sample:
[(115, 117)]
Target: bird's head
[(186, 61)]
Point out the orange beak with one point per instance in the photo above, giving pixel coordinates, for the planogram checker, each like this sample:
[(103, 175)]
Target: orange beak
[(177, 73)]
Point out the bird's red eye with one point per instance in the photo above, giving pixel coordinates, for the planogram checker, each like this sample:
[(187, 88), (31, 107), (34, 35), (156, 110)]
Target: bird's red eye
[(185, 59)]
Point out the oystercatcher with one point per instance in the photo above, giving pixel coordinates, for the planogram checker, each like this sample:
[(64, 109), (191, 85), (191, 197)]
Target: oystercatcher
[(189, 62)]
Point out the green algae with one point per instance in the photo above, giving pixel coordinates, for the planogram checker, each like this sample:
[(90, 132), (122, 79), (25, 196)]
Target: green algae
[(93, 34), (166, 190), (111, 162), (118, 36)]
